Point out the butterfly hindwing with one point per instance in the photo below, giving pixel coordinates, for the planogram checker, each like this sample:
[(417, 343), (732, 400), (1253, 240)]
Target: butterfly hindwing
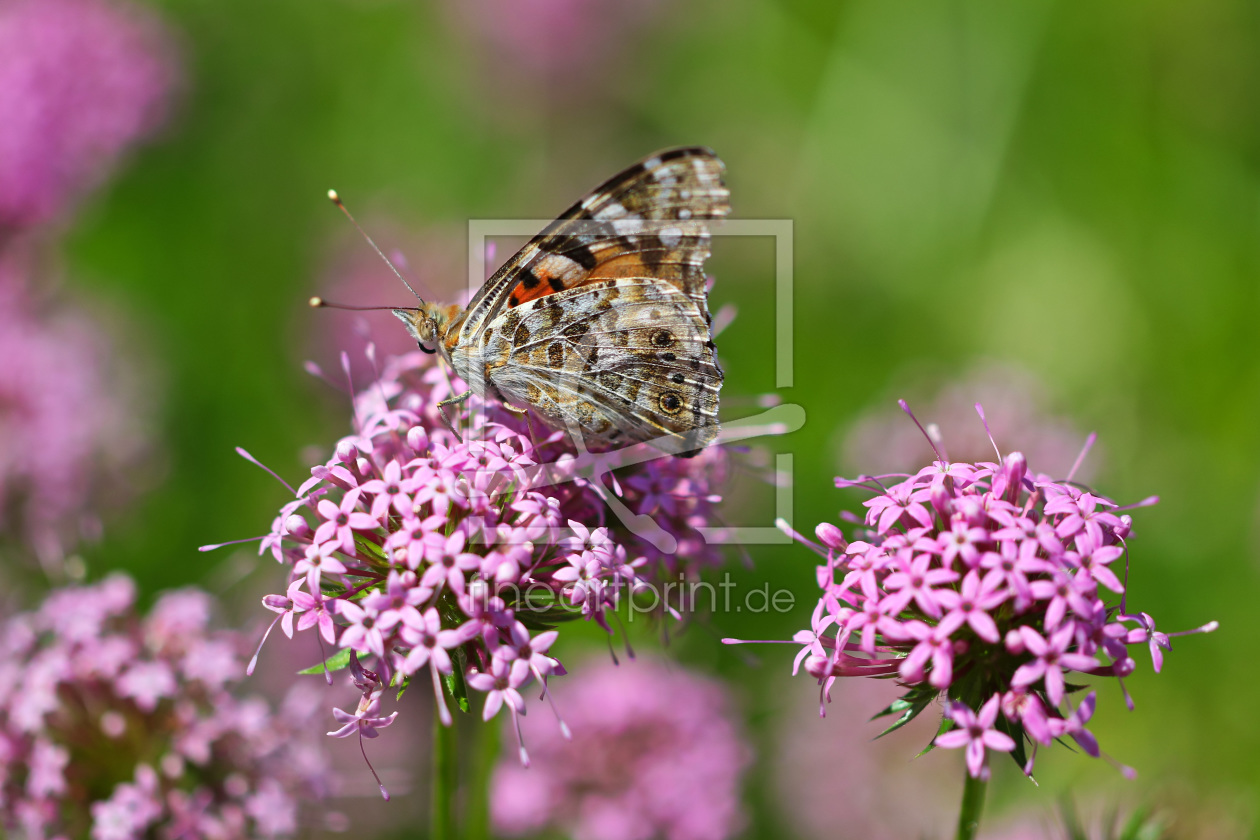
[(625, 360)]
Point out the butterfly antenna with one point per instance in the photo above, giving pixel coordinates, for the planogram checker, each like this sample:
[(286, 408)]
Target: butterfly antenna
[(336, 199), (318, 302)]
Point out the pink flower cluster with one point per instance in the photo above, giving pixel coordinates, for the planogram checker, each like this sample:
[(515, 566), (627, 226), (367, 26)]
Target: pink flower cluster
[(987, 582), (57, 383), (655, 753), (454, 560), (80, 80), (561, 44), (1013, 398), (114, 725)]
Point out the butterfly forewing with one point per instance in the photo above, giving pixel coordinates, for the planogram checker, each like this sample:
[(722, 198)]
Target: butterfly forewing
[(601, 322), (650, 220)]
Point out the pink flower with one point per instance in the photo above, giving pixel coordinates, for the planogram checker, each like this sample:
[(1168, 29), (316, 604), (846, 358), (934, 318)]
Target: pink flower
[(319, 558), (341, 521), (1026, 610), (80, 81), (902, 501), (971, 605), (563, 45), (933, 644), (1063, 592), (73, 443), (1074, 725), (47, 770), (500, 686), (1094, 557), (450, 564), (284, 606), (366, 722), (1015, 400), (960, 541), (1052, 657), (147, 683), (429, 645), (366, 630), (431, 550), (916, 580), (976, 733), (656, 752), (391, 491), (144, 689)]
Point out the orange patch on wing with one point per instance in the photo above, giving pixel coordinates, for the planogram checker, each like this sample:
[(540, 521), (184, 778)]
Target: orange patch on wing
[(523, 295), (536, 282), (626, 265)]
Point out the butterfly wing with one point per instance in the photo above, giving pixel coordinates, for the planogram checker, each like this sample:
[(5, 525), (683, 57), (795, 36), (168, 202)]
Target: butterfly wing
[(620, 361), (649, 221)]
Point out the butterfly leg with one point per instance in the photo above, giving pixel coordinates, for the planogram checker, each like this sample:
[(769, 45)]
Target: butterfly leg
[(456, 400)]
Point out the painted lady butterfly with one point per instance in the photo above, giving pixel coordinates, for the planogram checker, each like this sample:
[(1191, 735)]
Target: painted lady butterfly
[(601, 322)]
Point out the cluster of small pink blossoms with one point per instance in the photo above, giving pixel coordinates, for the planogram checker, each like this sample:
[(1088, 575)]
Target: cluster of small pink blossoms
[(990, 584), (656, 752), (80, 81), (117, 726), (420, 554), (59, 381)]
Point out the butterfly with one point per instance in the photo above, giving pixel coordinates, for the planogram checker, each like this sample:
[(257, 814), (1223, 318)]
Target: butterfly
[(600, 323)]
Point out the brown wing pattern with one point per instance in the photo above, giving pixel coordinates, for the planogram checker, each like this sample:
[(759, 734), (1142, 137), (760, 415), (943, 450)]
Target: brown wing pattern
[(625, 360), (649, 221)]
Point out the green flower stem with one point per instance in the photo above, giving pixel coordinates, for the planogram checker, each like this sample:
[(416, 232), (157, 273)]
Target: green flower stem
[(445, 780), (972, 807), (478, 803)]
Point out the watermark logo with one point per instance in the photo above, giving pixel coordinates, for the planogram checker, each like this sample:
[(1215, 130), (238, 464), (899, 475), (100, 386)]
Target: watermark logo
[(591, 468)]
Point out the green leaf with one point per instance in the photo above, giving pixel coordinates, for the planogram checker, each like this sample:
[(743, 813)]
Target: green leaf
[(454, 682), (1016, 731), (402, 687), (369, 549), (1071, 821), (946, 725), (896, 707), (336, 662), (907, 707)]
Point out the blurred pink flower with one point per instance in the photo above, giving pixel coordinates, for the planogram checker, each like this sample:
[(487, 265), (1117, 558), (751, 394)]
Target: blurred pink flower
[(80, 81), (85, 676), (655, 752), (433, 261), (1014, 401), (556, 43), (831, 771), (70, 424)]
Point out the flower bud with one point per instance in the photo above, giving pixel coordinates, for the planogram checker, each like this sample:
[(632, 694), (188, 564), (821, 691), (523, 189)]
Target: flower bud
[(1013, 471), (296, 526), (831, 536), (417, 439), (941, 502)]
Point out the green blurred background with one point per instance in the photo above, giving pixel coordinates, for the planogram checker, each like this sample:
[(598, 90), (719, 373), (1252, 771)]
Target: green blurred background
[(1073, 188)]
